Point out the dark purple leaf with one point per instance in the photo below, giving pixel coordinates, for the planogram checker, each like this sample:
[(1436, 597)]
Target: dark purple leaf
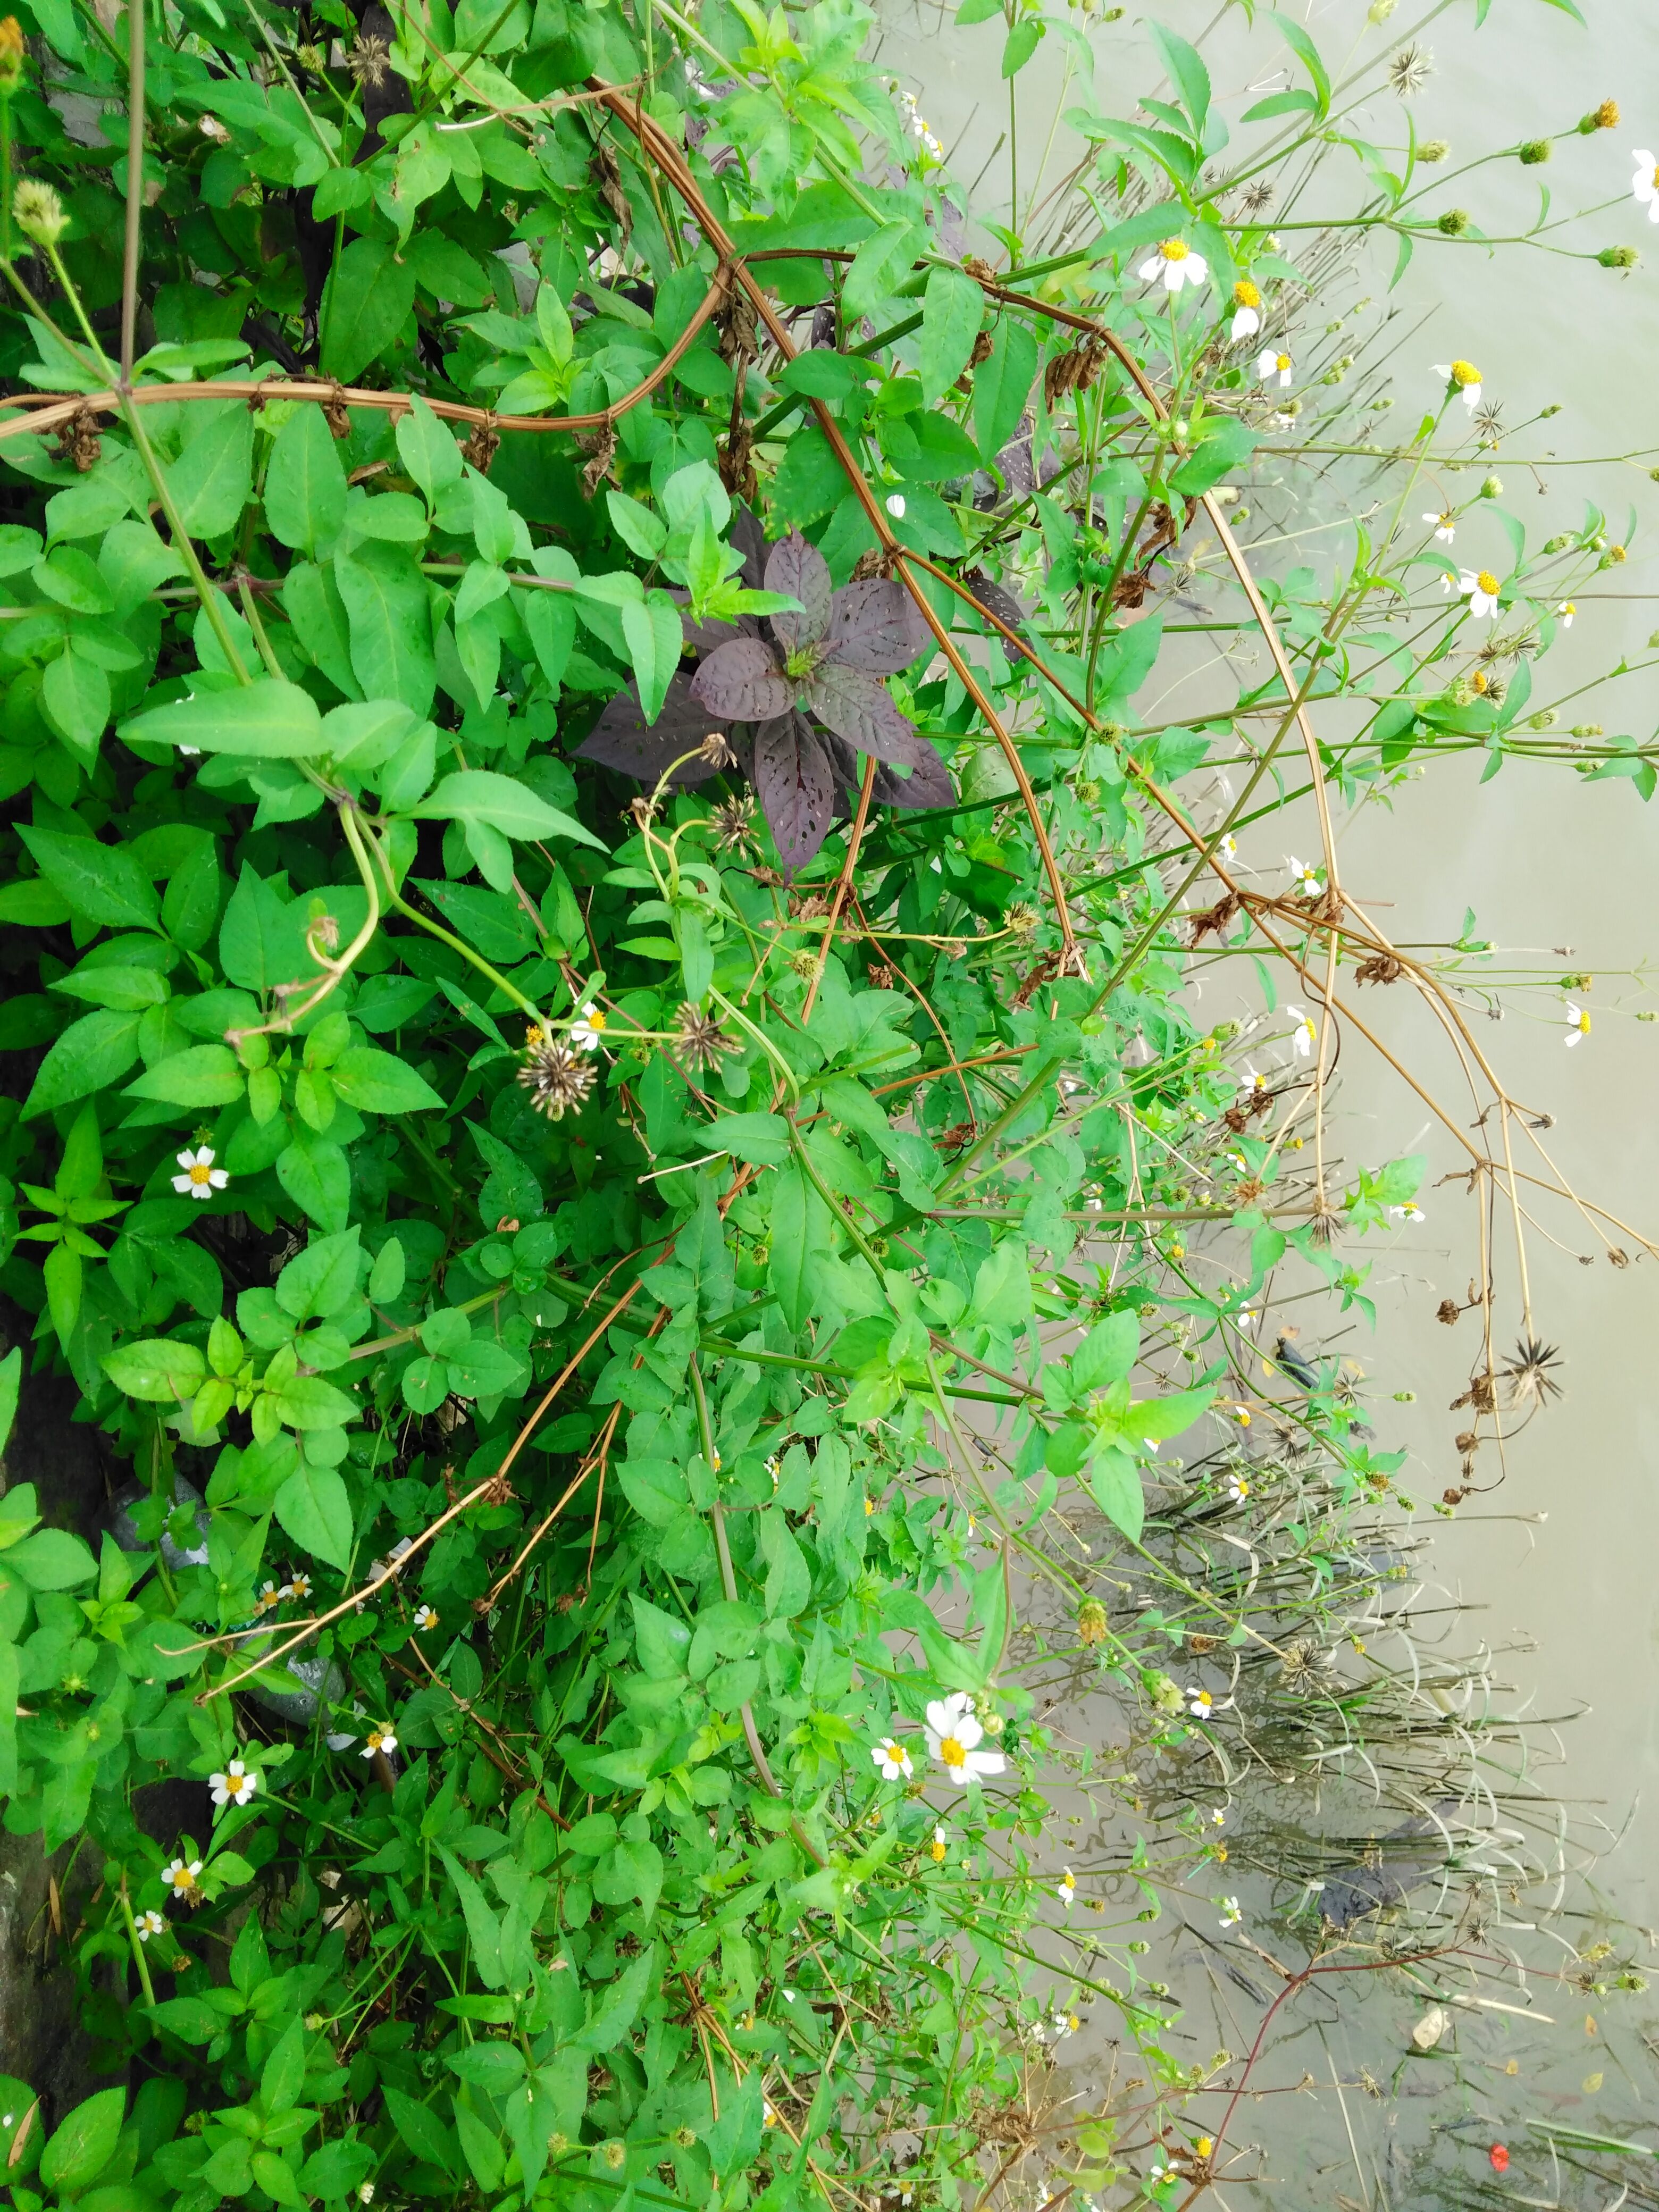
[(847, 769), (856, 707), (800, 570), (876, 625), (741, 682), (750, 539), (1001, 603), (928, 783), (622, 739), (796, 783)]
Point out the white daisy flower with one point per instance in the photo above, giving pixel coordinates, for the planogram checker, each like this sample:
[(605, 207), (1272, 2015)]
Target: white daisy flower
[(1067, 1892), (1578, 1023), (235, 1786), (1464, 377), (768, 2113), (200, 1178), (425, 1616), (893, 1760), (1156, 2175), (1307, 877), (894, 503), (1237, 1489), (953, 1734), (1445, 524), (775, 1468), (1302, 1036), (1219, 1816), (1231, 1915), (1270, 364), (1566, 611), (1064, 2024), (588, 1029), (1411, 1210), (1226, 849), (299, 1586), (1200, 1705), (1644, 184), (180, 1877), (1176, 264), (269, 1598), (937, 1849), (1480, 588), (381, 1738), (365, 2192), (149, 1925), (1246, 311)]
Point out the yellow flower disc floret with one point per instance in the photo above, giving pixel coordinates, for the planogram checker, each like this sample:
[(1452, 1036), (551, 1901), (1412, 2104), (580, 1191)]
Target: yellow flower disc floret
[(1245, 294), (1487, 581), (1463, 373), (1175, 249)]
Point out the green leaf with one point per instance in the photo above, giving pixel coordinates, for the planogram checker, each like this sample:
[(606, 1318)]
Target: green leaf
[(483, 1930), (500, 803), (317, 1177), (1297, 38), (1002, 385), (52, 1560), (881, 264), (282, 2076), (390, 616), (90, 1056), (11, 1381), (370, 296), (655, 641), (212, 480), (1107, 1354), (380, 1083), (1226, 446), (763, 1139), (190, 904), (314, 1508), (800, 1237), (307, 1401), (76, 695), (618, 2008), (422, 2132), (84, 2145), (201, 1075), (322, 1278), (1114, 1481), (953, 309), (427, 450), (788, 1577), (101, 883), (1186, 72), (305, 491), (159, 1368), (267, 719), (1021, 44), (1153, 1420)]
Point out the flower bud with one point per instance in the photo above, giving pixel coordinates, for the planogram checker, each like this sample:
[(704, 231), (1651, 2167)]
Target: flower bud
[(1380, 11), (1619, 257), (11, 56), (615, 2156), (1434, 149), (38, 211), (1534, 151), (1554, 407), (1604, 117), (1544, 719), (1491, 487), (1091, 1621), (1454, 222), (1559, 543), (1587, 730), (1613, 555)]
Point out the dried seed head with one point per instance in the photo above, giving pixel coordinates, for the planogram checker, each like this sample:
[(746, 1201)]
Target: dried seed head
[(1527, 1374), (1091, 1621), (556, 1078), (699, 1039), (715, 750), (38, 211), (601, 443), (734, 825), (1410, 70), (370, 61), (483, 442)]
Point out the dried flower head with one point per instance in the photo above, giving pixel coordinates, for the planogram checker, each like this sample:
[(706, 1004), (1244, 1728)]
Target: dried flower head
[(556, 1078), (1255, 198), (1410, 70), (1091, 1621), (699, 1039), (715, 750), (734, 825), (38, 211), (370, 60), (1527, 1374)]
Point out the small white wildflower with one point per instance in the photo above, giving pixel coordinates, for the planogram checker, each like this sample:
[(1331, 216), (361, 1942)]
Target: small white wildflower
[(1445, 524), (1273, 363), (381, 1738), (893, 1760), (1411, 1210), (1644, 184), (1066, 1891), (1230, 1914), (1175, 265), (148, 1924), (1464, 377), (588, 1028), (235, 1786), (894, 503), (425, 1616), (200, 1178), (1578, 1023), (1480, 588)]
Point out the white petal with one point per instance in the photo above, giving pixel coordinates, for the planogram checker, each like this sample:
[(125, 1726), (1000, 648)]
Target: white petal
[(182, 1184), (218, 1178), (1150, 269), (1198, 269), (1442, 369)]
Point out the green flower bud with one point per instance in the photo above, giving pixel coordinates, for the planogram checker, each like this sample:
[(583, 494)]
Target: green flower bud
[(1587, 730), (1534, 151), (1433, 150), (1380, 11), (38, 211), (1544, 719), (615, 2156), (1454, 222), (1619, 257), (1559, 544), (1491, 487)]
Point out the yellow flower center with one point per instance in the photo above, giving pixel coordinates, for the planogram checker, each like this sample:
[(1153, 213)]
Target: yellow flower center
[(534, 1036), (201, 1173), (1463, 373), (594, 1018), (1203, 2146), (1568, 607), (951, 1751), (1175, 249), (1283, 361), (1486, 582), (182, 1879), (1246, 294), (1478, 681), (1583, 1024), (1244, 1489), (936, 1849)]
